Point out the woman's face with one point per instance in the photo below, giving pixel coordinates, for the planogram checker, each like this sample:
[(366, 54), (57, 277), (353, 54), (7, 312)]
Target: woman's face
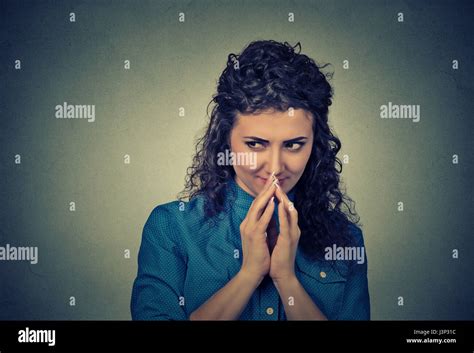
[(273, 141)]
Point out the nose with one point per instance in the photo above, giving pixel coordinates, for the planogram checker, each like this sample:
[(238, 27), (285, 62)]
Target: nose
[(275, 163)]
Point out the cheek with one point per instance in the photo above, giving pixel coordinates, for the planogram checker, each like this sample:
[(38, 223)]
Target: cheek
[(246, 164), (298, 162), (236, 146), (246, 171)]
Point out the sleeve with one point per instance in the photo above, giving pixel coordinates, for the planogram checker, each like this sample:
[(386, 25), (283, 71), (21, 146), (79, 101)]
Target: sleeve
[(161, 272), (356, 301)]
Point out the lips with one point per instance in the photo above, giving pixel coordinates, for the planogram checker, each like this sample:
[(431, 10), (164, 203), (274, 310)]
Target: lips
[(264, 180)]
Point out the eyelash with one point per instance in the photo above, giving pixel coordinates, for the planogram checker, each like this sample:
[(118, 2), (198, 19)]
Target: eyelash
[(301, 144)]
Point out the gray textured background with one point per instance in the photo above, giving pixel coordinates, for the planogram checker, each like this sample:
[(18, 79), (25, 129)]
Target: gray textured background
[(174, 65)]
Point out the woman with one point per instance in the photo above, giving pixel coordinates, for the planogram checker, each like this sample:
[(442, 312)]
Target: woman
[(255, 239)]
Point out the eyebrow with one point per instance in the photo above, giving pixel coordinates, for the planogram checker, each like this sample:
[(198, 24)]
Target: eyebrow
[(296, 139)]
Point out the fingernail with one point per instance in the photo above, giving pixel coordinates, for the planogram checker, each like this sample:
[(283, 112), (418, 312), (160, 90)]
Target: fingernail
[(271, 201)]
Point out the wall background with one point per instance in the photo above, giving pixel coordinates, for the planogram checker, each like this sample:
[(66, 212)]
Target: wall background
[(174, 65)]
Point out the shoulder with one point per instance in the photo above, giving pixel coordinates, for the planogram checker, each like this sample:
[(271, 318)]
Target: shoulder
[(172, 214), (162, 215), (356, 234)]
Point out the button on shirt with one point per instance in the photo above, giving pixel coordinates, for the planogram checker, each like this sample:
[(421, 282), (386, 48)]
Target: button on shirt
[(184, 259)]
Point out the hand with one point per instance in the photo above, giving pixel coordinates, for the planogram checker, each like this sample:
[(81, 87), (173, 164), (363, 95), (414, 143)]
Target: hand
[(282, 266), (256, 256)]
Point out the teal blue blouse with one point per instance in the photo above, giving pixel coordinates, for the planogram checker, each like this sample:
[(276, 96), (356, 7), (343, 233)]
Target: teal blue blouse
[(183, 260)]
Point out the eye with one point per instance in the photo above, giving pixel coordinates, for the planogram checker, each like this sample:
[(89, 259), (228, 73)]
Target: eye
[(253, 145), (294, 146)]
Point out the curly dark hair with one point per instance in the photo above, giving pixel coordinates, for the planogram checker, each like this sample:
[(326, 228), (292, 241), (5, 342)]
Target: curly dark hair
[(269, 75)]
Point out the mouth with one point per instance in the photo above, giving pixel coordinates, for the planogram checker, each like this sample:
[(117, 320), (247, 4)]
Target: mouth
[(263, 181)]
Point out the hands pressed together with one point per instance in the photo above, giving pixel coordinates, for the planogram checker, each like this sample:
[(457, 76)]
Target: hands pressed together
[(257, 261)]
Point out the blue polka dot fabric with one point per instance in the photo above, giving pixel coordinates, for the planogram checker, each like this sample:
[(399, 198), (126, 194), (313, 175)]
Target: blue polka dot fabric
[(183, 260)]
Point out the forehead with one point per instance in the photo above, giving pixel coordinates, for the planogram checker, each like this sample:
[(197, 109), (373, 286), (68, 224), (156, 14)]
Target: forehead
[(274, 124)]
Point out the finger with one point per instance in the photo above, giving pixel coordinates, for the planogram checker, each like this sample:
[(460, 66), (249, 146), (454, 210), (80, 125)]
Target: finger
[(267, 215), (289, 209), (282, 197), (268, 183), (293, 219), (243, 224), (283, 219), (260, 203)]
